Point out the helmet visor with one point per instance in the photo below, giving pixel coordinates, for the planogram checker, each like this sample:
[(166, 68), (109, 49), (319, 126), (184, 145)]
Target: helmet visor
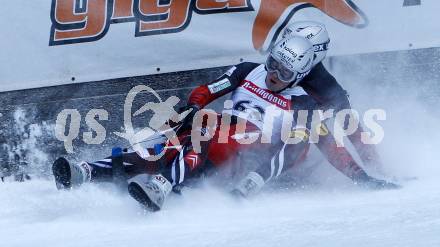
[(283, 73)]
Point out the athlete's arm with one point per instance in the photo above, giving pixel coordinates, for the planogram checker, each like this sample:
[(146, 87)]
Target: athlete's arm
[(367, 152), (228, 82), (326, 90), (339, 157)]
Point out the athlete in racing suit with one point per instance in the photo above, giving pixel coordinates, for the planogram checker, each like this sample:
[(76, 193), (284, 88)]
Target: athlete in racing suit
[(249, 94), (254, 89)]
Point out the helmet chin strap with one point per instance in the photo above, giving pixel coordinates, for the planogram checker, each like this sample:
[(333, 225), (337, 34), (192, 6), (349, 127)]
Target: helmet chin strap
[(292, 84)]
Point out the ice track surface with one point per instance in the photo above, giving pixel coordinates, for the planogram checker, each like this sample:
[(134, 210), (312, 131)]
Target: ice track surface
[(36, 214)]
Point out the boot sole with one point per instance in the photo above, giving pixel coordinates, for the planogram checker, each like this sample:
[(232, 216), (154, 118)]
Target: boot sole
[(140, 196), (61, 171)]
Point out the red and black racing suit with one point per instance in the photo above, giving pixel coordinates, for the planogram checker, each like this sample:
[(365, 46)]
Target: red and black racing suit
[(183, 164), (339, 157)]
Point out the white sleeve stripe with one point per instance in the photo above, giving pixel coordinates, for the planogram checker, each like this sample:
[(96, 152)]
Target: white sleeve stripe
[(173, 172), (102, 165), (281, 160), (182, 167), (272, 167)]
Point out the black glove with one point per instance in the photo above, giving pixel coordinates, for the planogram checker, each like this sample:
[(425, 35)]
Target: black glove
[(187, 121), (376, 184)]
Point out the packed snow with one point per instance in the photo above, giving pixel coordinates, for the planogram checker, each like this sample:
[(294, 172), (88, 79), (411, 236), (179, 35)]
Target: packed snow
[(36, 214)]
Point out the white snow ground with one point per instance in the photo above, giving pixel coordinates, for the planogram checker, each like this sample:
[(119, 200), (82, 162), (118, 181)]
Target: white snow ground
[(36, 214)]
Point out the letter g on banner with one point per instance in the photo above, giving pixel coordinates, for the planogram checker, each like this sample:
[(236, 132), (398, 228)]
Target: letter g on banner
[(76, 21), (154, 17), (214, 7)]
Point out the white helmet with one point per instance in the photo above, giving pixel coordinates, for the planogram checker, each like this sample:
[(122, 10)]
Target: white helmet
[(291, 59), (313, 31)]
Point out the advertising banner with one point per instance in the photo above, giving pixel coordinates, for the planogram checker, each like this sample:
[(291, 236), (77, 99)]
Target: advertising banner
[(54, 42)]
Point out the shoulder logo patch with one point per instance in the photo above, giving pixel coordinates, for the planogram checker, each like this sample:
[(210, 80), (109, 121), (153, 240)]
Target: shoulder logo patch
[(220, 85)]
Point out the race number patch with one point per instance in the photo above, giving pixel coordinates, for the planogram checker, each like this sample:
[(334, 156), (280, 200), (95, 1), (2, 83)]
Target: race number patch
[(220, 85)]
